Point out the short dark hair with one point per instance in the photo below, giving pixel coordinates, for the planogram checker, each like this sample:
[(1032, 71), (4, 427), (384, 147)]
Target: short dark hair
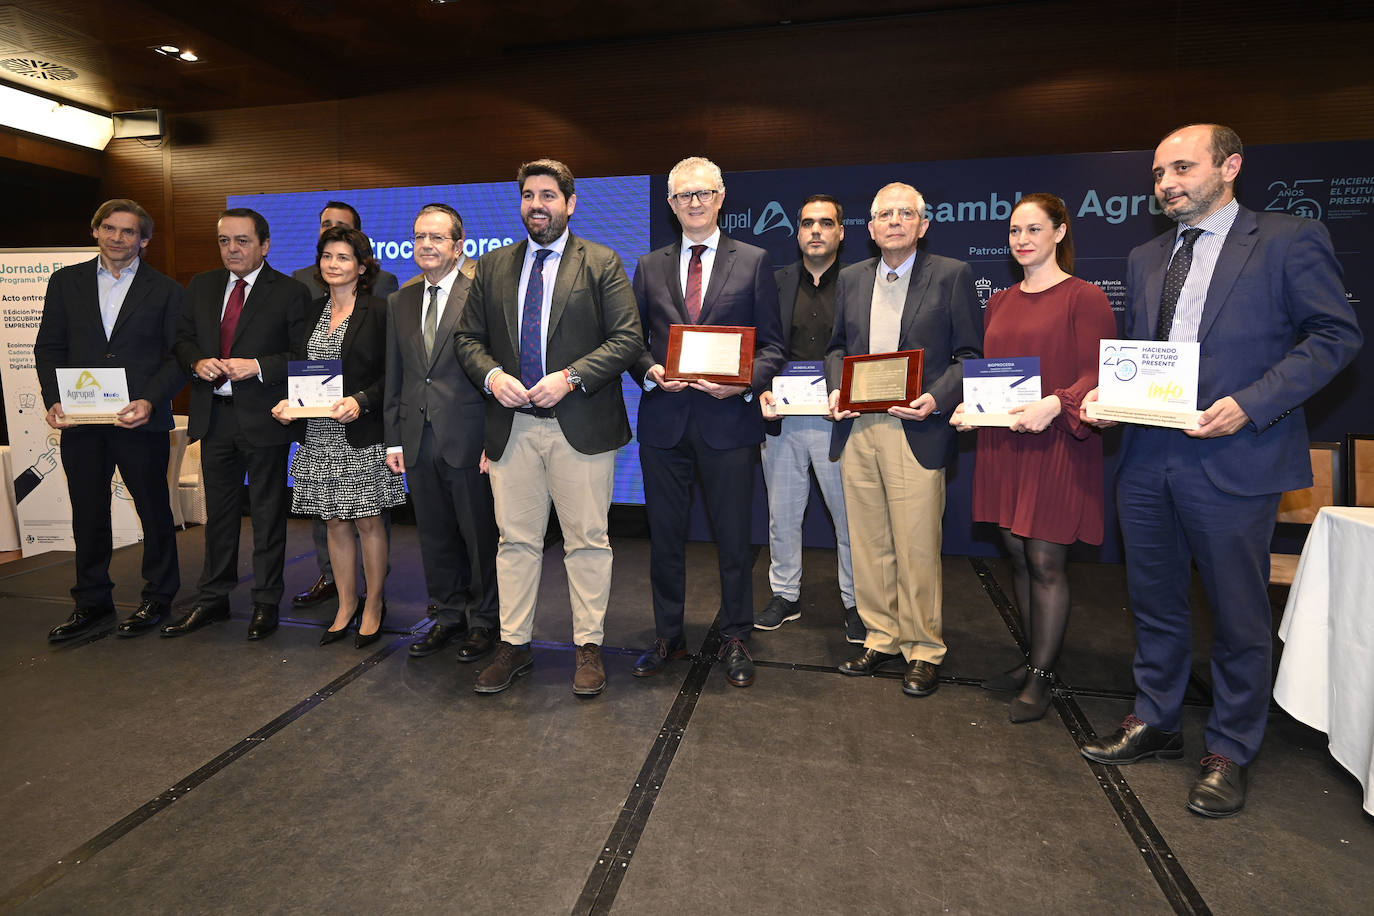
[(340, 205), (259, 221), (452, 214), (1059, 216), (1225, 144), (551, 167), (124, 205), (362, 250), (824, 199)]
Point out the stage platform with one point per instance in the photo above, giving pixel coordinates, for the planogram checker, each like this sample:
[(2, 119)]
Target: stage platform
[(208, 774)]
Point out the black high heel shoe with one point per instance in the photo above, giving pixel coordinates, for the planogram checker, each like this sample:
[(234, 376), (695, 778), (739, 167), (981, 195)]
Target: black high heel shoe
[(1021, 711), (329, 636), (362, 642)]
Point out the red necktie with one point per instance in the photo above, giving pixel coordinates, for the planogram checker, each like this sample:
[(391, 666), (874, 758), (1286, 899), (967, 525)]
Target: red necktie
[(694, 284), (230, 321)]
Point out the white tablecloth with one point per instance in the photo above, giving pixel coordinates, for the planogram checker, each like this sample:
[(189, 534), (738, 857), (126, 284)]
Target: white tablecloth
[(1326, 674)]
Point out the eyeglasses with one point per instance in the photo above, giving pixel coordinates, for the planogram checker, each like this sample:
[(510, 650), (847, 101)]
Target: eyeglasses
[(905, 214), (432, 238), (685, 197)]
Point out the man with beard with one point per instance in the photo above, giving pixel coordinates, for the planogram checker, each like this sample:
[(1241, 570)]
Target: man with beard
[(798, 445), (1261, 293), (555, 415)]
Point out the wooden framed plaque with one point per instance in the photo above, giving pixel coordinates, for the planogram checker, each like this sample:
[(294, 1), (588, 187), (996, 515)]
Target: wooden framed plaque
[(876, 381), (723, 354)]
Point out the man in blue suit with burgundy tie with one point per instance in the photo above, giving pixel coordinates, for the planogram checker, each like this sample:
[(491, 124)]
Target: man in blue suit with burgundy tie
[(1262, 295), (701, 427)]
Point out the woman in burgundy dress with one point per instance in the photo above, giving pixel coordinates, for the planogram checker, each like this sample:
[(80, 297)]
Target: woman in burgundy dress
[(1040, 481)]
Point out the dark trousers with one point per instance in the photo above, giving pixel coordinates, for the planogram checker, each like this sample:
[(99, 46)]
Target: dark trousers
[(456, 520), (90, 455), (225, 457), (1172, 514), (727, 479)]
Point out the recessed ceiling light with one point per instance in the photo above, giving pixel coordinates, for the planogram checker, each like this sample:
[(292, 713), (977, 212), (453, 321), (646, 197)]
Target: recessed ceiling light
[(188, 56), (174, 52), (169, 49)]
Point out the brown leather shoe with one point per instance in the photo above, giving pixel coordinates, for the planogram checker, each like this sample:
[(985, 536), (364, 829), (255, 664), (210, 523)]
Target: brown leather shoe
[(322, 590), (590, 678), (508, 664), (921, 678)]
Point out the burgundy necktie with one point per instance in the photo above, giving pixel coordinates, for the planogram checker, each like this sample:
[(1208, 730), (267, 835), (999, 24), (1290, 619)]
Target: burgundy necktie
[(694, 284), (229, 323)]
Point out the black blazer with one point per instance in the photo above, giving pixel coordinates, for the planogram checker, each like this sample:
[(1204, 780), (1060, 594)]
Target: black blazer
[(71, 335), (364, 363), (270, 330)]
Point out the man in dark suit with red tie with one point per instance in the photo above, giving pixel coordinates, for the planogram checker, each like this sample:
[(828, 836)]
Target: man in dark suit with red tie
[(115, 311), (1262, 296), (701, 427), (240, 326)]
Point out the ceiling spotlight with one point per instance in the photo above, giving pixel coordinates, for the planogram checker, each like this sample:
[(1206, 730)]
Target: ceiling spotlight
[(169, 49), (174, 52), (188, 56)]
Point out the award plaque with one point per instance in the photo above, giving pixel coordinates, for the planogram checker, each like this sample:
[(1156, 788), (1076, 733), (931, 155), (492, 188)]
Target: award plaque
[(313, 387), (874, 382), (1149, 382), (722, 354), (93, 396), (799, 390)]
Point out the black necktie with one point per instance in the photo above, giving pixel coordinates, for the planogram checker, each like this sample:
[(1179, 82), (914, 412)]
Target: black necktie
[(1173, 283)]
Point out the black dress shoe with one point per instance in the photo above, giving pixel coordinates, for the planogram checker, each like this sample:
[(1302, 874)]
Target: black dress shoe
[(921, 678), (439, 635), (1220, 787), (264, 621), (739, 667), (479, 643), (148, 615), (869, 662), (1135, 741), (1023, 711), (657, 658), (82, 620), (322, 590), (198, 616), (362, 642), (332, 635)]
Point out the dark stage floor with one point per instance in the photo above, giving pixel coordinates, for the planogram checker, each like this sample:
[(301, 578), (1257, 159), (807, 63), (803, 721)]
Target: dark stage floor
[(210, 774)]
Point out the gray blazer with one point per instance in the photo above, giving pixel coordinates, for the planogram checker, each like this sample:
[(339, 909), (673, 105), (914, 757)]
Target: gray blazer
[(941, 316), (433, 388)]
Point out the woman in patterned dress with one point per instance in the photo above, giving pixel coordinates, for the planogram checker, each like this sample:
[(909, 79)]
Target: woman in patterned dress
[(340, 469), (1040, 481)]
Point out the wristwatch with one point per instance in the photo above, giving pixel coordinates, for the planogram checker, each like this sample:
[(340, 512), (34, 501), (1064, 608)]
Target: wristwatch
[(574, 380)]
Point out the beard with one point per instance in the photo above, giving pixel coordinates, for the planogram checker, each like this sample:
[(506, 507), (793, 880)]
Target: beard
[(1195, 203), (551, 232)]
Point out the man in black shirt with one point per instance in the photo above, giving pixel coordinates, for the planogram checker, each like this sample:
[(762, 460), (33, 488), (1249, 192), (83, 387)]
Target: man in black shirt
[(798, 444)]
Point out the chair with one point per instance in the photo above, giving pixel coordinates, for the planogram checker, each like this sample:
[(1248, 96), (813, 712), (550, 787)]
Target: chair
[(191, 486), (1359, 470), (1300, 507), (178, 437)]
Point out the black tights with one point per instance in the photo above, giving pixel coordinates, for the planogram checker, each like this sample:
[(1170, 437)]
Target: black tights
[(1040, 576)]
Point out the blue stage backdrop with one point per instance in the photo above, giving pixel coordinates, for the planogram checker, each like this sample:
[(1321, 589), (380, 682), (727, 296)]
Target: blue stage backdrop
[(1108, 194)]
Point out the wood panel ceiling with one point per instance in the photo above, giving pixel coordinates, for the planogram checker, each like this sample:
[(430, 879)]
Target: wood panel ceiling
[(269, 52)]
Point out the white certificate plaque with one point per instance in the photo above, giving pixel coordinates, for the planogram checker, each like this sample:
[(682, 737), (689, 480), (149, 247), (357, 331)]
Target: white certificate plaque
[(93, 396), (799, 390), (1149, 382), (992, 387), (313, 387)]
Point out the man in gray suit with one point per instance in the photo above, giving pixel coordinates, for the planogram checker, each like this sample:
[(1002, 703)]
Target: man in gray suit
[(549, 327), (433, 417), (893, 463), (334, 213)]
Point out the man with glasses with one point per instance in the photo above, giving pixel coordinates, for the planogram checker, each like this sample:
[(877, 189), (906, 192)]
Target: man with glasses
[(701, 427), (115, 310), (798, 445), (434, 427), (549, 328), (892, 463), (334, 213)]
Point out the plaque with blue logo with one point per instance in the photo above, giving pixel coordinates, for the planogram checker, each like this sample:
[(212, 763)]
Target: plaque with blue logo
[(993, 387), (1150, 382), (313, 387)]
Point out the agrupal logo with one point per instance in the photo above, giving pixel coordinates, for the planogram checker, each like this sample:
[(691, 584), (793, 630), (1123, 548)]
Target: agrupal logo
[(86, 380), (86, 389), (772, 217)]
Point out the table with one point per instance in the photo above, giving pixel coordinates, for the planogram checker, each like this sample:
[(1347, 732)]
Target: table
[(1326, 674)]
